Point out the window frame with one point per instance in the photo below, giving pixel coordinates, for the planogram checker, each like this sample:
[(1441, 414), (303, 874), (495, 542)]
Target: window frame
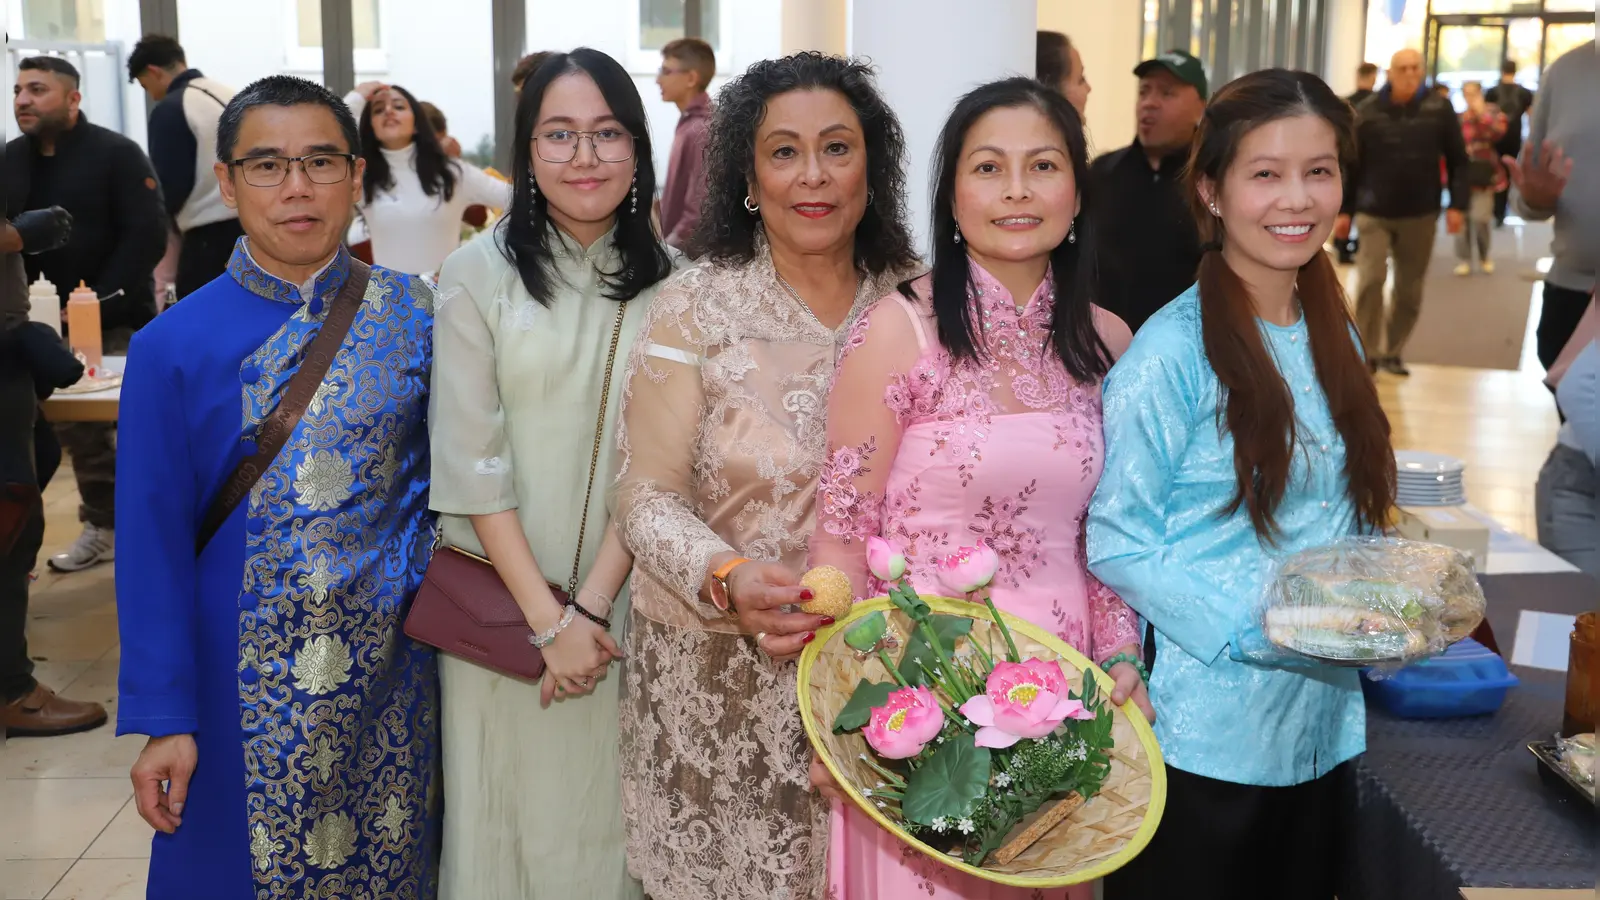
[(642, 61), (309, 59)]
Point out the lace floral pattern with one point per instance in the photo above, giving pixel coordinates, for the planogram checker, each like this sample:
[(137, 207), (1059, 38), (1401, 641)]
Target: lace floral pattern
[(724, 399)]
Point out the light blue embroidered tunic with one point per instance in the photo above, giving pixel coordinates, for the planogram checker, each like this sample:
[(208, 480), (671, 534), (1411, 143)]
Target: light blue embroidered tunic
[(1157, 535), (280, 646)]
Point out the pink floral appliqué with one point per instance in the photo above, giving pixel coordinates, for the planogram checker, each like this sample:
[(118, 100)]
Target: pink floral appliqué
[(847, 513), (996, 524)]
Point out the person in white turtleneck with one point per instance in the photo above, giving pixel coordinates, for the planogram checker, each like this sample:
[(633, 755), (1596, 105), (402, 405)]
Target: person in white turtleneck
[(414, 194)]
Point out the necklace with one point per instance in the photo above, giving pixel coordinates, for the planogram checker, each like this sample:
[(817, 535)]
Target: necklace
[(854, 298)]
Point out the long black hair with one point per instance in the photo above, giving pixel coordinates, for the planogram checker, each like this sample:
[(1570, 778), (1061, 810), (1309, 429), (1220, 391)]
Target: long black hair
[(727, 231), (1072, 330), (435, 170), (526, 231)]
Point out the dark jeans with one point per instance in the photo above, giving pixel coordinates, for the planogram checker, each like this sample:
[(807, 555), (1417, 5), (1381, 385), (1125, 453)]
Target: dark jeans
[(93, 448), (18, 406), (1224, 841), (204, 254)]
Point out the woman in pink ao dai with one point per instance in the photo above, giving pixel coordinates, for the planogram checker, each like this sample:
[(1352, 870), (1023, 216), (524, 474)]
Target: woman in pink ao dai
[(966, 410)]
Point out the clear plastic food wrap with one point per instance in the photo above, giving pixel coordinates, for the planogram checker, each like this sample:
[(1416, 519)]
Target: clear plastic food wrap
[(1367, 601)]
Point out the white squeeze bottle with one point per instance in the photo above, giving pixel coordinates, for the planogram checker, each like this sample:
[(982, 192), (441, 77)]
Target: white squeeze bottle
[(44, 304), (83, 326)]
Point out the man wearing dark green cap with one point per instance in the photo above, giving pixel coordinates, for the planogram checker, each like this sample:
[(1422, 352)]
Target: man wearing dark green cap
[(1150, 246)]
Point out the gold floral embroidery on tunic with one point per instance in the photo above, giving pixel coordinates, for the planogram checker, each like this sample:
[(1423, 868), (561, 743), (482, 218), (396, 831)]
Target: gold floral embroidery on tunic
[(323, 759), (322, 664), (323, 480), (338, 708), (263, 847), (331, 841)]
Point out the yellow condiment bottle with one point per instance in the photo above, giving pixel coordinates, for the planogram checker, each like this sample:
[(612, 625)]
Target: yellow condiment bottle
[(83, 326)]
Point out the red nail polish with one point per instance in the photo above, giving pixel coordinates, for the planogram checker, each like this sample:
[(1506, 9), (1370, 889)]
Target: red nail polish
[(810, 636), (827, 620), (805, 594)]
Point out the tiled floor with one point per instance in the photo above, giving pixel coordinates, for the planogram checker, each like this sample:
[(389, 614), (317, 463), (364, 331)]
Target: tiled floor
[(70, 830)]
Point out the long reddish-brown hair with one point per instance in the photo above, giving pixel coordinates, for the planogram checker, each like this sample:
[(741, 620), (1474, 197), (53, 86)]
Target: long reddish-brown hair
[(1258, 407)]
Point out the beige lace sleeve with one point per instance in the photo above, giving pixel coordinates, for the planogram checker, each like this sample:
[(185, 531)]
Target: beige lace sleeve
[(662, 407)]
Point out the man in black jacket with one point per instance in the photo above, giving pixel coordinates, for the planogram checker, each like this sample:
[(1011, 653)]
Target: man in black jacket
[(1150, 246), (1366, 81), (26, 706), (119, 235), (1402, 132)]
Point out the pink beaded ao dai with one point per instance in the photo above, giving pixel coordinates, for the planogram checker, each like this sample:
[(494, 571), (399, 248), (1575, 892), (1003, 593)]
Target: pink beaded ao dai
[(934, 454)]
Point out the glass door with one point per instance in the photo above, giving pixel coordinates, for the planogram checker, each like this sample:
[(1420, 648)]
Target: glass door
[(1460, 49)]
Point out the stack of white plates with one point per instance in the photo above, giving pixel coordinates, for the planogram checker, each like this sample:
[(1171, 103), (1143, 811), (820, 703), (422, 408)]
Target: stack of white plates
[(1430, 479)]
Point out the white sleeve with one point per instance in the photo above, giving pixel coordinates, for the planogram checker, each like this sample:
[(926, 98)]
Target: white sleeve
[(478, 186), (357, 103)]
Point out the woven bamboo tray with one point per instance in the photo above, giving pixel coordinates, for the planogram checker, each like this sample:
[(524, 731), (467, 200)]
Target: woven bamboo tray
[(1099, 837)]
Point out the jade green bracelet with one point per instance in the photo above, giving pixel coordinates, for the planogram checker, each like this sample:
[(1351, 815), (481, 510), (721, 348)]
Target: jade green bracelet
[(1125, 657)]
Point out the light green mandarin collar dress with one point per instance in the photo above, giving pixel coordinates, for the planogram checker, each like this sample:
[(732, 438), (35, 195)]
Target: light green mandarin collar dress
[(533, 793)]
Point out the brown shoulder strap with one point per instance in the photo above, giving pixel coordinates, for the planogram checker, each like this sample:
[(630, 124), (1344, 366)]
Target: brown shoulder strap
[(297, 396)]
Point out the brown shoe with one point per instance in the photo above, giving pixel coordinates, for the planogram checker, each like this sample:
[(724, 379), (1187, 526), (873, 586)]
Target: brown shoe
[(40, 713)]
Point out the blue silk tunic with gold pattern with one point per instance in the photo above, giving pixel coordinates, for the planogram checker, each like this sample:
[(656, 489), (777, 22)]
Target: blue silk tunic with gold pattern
[(280, 648)]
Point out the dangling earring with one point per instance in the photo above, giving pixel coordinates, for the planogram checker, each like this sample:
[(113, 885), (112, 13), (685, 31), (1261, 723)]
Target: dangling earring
[(533, 186), (750, 206), (958, 234), (1216, 212), (1072, 232), (870, 196), (635, 207)]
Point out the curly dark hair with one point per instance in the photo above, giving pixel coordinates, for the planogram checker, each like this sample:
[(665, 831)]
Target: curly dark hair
[(727, 231)]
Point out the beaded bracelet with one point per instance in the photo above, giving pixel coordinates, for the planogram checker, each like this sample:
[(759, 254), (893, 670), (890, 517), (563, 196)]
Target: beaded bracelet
[(544, 640), (1126, 657), (596, 618)]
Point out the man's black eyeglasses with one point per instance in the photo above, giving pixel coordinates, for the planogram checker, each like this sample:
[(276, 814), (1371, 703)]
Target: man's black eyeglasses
[(270, 171)]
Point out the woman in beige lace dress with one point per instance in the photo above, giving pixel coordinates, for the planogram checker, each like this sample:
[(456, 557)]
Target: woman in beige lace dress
[(723, 437)]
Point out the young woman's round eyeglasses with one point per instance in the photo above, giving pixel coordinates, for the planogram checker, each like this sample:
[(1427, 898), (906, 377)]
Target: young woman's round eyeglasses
[(271, 171), (611, 145)]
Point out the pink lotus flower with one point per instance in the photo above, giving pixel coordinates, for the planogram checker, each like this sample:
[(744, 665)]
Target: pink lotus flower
[(901, 727), (968, 569), (887, 563), (1021, 700)]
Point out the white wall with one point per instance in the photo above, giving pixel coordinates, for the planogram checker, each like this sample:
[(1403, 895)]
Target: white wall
[(1106, 33), (1347, 39), (929, 53)]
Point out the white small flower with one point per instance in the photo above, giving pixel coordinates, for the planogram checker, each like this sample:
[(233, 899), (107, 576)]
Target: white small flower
[(881, 784), (966, 826), (866, 793), (1002, 780), (882, 805), (941, 824), (940, 740)]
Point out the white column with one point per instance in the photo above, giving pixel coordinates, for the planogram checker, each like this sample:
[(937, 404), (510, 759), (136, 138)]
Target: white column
[(815, 25), (1106, 35), (930, 52), (1347, 44)]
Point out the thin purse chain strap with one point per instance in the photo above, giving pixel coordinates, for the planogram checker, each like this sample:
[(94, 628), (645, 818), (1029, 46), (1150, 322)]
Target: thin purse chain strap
[(594, 458)]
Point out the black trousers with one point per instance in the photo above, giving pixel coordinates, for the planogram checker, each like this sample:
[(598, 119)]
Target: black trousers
[(1513, 149), (1224, 841), (204, 254), (18, 406), (1563, 307)]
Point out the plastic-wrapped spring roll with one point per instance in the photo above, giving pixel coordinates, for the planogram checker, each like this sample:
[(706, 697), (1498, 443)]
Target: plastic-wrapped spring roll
[(1343, 633)]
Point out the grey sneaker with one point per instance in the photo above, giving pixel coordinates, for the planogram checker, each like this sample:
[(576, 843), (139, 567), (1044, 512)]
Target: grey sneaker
[(94, 546)]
